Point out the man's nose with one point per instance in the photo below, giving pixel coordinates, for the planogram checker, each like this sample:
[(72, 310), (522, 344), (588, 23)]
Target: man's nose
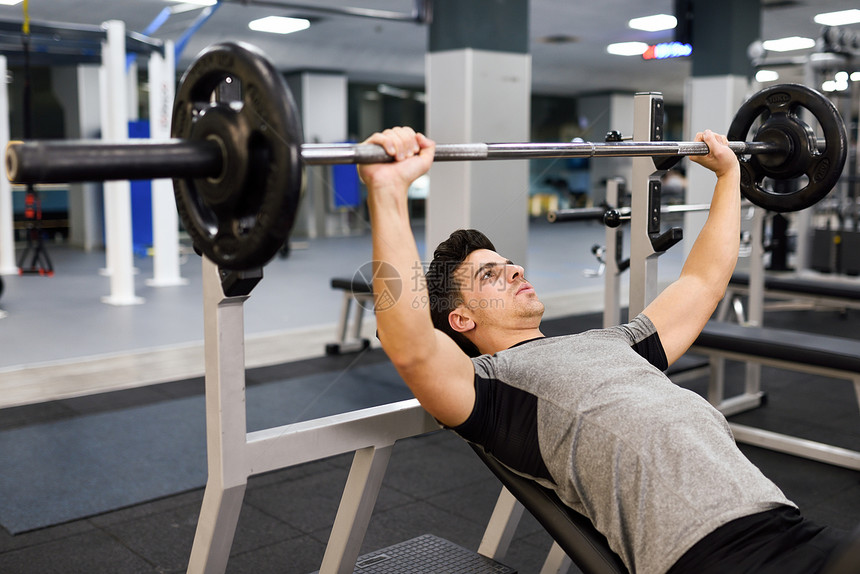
[(514, 271)]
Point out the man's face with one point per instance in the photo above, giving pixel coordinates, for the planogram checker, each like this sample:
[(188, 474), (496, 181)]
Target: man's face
[(495, 291)]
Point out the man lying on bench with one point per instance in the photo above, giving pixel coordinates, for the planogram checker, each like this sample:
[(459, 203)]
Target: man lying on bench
[(590, 416)]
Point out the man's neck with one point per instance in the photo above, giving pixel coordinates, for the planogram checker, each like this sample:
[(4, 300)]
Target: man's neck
[(503, 341)]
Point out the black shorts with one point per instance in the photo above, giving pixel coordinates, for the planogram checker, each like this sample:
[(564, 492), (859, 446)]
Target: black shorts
[(778, 541)]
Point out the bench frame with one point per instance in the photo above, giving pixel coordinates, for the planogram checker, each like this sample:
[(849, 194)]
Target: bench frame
[(752, 398), (234, 454)]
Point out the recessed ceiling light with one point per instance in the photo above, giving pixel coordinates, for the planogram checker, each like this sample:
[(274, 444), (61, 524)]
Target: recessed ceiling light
[(196, 2), (788, 44), (766, 76), (627, 48), (654, 23), (840, 18), (279, 25)]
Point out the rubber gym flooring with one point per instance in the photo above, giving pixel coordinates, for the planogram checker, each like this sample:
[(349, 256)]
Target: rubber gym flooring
[(434, 483)]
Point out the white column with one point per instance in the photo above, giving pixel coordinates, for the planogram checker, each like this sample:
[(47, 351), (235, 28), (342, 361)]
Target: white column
[(604, 113), (322, 99), (479, 96), (118, 234), (86, 217), (165, 221), (8, 265), (711, 103)]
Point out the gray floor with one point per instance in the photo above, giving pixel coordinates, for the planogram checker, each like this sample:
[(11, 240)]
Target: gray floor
[(61, 317), (434, 483), (59, 340)]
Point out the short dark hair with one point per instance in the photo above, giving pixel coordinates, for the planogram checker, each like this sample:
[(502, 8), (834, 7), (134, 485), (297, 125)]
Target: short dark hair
[(444, 293)]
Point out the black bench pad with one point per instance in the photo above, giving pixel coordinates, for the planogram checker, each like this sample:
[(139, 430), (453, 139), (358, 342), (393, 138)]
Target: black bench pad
[(572, 531), (782, 344), (353, 284), (802, 286)]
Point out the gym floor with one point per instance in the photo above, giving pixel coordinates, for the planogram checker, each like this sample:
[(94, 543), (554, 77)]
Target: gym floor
[(434, 483)]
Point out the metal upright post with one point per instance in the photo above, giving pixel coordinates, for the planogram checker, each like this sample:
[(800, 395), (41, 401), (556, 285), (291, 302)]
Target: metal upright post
[(223, 323), (755, 314), (643, 257), (612, 275)]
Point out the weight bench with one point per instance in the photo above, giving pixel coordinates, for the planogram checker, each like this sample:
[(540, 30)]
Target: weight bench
[(804, 352), (836, 294), (349, 339), (572, 532)]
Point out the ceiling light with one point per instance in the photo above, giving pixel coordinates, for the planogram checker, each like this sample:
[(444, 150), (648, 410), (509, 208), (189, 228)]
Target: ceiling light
[(788, 44), (197, 2), (855, 76), (654, 23), (627, 48), (279, 25), (840, 18), (766, 76), (10, 2)]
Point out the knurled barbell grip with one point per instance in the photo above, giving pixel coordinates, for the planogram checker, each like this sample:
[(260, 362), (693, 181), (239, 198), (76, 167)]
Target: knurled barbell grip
[(326, 154)]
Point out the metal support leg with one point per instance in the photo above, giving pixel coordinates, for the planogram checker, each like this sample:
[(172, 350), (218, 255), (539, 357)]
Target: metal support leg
[(343, 322), (501, 527), (356, 507), (717, 381), (749, 399), (355, 331), (216, 527), (557, 562)]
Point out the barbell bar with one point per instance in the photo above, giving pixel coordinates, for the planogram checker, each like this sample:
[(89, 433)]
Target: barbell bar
[(97, 160), (237, 161), (613, 217)]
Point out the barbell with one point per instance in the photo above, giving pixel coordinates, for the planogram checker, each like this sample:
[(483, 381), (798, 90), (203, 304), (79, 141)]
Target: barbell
[(237, 162)]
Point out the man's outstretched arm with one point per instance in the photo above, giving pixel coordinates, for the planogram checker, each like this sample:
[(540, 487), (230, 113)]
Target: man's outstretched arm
[(439, 374), (682, 309)]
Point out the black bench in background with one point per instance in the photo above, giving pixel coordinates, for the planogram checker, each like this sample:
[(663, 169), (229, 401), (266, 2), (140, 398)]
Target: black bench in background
[(349, 339), (793, 350), (838, 294)]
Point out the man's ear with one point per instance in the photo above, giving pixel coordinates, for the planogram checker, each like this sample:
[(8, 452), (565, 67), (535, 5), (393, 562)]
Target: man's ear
[(459, 322)]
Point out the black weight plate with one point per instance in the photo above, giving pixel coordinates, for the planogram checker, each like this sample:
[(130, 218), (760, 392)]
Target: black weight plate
[(241, 218), (779, 107)]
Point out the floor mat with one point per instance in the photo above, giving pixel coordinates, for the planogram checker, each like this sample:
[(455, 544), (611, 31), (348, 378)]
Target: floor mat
[(65, 470)]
